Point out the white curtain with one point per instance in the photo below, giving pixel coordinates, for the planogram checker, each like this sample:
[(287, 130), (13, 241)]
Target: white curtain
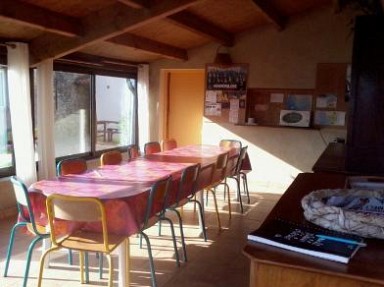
[(45, 120), (143, 104), (21, 112)]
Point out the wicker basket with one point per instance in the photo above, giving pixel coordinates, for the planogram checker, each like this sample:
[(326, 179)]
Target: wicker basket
[(355, 211)]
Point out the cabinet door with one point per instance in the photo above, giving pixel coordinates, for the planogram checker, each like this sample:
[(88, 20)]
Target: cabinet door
[(365, 151)]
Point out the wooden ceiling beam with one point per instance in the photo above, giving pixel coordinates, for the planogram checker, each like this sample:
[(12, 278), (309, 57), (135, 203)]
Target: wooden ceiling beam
[(151, 46), (199, 25), (37, 17), (271, 13), (102, 25), (135, 3)]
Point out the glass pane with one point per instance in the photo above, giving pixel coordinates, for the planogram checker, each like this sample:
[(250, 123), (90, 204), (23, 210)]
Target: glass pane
[(6, 147), (115, 112), (72, 113)]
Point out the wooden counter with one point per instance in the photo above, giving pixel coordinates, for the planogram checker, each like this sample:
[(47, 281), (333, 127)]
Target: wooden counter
[(272, 266)]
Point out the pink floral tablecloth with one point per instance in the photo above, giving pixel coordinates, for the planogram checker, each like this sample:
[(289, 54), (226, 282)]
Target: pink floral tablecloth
[(122, 187)]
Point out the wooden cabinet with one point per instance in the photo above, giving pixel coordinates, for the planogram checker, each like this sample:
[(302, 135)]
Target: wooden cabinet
[(365, 142)]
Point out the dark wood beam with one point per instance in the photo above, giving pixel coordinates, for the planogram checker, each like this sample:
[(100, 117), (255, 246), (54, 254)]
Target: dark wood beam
[(102, 25), (199, 25), (271, 13), (151, 46), (98, 62), (41, 18), (135, 3)]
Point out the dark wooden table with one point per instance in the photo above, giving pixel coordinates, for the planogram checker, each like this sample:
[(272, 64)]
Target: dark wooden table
[(272, 266), (332, 159)]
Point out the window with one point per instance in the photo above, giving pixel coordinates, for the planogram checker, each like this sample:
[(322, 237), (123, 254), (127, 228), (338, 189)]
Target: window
[(115, 112), (72, 113), (93, 112), (6, 149)]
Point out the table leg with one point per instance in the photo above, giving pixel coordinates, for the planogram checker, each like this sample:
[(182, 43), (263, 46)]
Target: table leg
[(124, 263)]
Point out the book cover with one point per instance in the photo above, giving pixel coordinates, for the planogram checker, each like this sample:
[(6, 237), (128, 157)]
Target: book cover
[(326, 244)]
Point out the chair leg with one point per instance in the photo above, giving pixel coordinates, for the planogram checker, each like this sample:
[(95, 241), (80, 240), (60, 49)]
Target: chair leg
[(226, 188), (110, 271), (181, 234), (245, 183), (10, 246), (239, 193), (70, 257), (29, 256), (151, 263), (101, 263), (201, 216), (174, 239), (42, 259), (216, 208), (81, 261)]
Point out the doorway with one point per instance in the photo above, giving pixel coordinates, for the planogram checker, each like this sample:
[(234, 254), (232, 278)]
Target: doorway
[(184, 100)]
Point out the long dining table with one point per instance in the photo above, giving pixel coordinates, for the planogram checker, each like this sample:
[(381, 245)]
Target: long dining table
[(124, 188)]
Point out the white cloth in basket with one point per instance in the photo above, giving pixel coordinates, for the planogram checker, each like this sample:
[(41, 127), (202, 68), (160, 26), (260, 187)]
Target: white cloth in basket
[(356, 211)]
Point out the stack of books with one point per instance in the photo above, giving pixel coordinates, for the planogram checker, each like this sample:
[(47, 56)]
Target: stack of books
[(319, 242)]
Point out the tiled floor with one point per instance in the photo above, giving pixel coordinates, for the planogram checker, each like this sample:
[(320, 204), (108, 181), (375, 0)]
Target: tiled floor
[(217, 262)]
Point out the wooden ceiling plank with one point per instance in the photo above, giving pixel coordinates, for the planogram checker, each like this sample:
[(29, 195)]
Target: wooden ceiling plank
[(99, 26), (34, 16), (198, 25), (271, 13), (148, 45)]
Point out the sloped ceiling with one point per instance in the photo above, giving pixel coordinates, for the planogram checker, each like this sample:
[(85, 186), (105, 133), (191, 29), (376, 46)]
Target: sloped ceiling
[(136, 31)]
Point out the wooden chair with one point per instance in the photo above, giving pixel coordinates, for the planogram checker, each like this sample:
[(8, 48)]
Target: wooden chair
[(243, 173), (77, 166), (133, 152), (152, 147), (81, 209), (169, 144), (71, 166), (185, 193), (230, 143), (235, 173), (111, 158), (217, 179), (26, 219), (154, 213)]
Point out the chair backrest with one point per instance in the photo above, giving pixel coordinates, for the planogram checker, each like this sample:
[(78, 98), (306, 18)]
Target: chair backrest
[(71, 166), (23, 203), (230, 169), (169, 144), (188, 182), (152, 147), (205, 176), (220, 167), (133, 152), (230, 143), (239, 165), (157, 201), (111, 158), (76, 209)]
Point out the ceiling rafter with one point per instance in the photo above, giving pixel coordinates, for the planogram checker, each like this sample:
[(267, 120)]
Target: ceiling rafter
[(271, 13), (199, 25), (151, 46), (35, 16), (98, 27), (136, 3)]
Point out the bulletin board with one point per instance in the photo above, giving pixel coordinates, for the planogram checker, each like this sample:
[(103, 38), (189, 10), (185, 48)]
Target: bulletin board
[(266, 106), (226, 92)]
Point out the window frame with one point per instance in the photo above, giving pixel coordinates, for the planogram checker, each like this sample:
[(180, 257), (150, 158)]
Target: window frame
[(126, 73)]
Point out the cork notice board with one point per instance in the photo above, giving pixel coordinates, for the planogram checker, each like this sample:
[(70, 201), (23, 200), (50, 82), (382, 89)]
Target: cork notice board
[(226, 92), (266, 105)]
